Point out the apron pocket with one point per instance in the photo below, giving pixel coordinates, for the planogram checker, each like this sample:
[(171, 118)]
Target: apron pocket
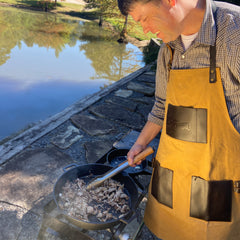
[(187, 123), (211, 200), (162, 184)]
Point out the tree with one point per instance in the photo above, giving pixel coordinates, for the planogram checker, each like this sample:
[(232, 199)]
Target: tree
[(105, 7), (47, 4)]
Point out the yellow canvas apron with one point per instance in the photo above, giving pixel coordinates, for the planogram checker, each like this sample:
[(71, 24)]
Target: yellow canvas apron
[(194, 188)]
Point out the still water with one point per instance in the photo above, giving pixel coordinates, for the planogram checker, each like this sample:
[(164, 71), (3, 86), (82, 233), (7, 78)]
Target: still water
[(47, 63)]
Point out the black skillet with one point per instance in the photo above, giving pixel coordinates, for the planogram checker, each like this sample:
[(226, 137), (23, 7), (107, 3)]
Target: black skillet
[(88, 172)]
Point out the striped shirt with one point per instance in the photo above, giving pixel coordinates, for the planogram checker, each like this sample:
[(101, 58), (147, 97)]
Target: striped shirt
[(225, 30)]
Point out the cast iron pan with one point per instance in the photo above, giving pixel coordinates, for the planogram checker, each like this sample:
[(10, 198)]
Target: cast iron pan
[(87, 172)]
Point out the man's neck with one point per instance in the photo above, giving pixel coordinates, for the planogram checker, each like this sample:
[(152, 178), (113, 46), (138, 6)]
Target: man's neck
[(195, 16)]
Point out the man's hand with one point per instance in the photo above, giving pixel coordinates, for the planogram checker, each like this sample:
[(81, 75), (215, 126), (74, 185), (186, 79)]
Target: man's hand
[(135, 150), (148, 133)]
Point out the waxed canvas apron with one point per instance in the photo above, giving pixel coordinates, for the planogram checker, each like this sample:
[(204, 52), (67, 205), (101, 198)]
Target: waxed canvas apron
[(194, 188)]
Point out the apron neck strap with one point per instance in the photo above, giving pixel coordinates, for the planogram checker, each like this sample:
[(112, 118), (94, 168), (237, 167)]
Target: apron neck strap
[(212, 74), (171, 57)]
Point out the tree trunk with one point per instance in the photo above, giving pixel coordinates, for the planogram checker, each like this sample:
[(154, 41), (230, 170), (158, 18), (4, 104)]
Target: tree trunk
[(46, 6), (124, 31), (100, 21)]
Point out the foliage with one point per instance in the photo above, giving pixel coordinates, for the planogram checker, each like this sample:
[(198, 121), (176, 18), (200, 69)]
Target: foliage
[(105, 7), (46, 5), (150, 52)]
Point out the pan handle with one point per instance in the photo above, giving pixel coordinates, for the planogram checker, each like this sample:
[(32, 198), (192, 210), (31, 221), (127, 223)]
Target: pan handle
[(69, 166), (142, 155)]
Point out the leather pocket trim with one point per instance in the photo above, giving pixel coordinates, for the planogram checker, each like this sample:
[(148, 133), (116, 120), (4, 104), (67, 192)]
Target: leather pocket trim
[(211, 200), (162, 185), (187, 123)]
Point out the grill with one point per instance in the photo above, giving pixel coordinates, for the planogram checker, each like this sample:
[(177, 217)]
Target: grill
[(57, 225)]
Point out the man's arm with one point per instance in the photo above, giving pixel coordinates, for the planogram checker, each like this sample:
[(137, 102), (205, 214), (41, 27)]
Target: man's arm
[(156, 117)]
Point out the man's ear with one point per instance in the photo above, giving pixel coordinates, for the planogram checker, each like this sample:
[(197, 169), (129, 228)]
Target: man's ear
[(172, 2)]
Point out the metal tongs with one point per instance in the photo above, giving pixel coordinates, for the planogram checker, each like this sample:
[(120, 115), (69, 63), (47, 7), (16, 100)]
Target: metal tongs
[(100, 179)]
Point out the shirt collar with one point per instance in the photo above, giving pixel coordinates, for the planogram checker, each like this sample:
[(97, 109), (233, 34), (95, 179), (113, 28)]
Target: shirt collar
[(207, 33)]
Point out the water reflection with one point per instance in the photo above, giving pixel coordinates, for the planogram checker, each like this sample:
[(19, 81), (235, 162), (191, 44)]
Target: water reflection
[(48, 63)]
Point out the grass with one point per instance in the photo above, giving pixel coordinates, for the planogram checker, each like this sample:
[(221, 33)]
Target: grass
[(9, 1)]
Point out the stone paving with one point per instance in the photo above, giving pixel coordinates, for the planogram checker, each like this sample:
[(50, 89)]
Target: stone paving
[(81, 135)]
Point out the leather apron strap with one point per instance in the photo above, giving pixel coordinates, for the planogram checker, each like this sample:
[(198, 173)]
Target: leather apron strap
[(212, 74)]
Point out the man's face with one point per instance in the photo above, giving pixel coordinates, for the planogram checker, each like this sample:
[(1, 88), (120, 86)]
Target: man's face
[(158, 17)]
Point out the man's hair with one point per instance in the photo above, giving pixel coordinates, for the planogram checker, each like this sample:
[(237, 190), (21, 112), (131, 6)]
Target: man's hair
[(125, 5)]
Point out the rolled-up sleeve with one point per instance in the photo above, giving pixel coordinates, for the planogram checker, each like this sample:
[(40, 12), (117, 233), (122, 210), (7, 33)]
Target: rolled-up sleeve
[(158, 110)]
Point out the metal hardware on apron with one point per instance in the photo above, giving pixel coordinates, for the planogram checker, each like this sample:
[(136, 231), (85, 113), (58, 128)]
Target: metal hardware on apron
[(195, 186)]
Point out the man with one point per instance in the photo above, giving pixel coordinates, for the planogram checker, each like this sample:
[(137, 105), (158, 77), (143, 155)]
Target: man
[(195, 187)]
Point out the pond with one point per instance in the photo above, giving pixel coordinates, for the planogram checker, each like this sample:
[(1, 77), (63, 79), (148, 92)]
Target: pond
[(48, 62)]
